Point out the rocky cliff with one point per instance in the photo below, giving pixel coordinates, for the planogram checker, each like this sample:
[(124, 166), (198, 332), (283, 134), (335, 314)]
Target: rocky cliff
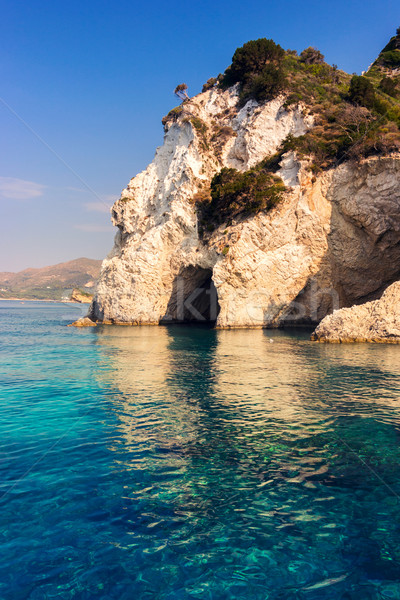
[(332, 241), (376, 321)]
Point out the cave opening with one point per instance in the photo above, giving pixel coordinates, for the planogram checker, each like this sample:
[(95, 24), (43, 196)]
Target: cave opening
[(194, 298)]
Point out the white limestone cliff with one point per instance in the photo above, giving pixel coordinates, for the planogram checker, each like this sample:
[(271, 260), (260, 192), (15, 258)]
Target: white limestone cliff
[(333, 240)]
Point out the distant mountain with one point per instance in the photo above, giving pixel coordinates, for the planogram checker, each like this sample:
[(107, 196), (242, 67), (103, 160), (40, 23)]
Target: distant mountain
[(54, 282)]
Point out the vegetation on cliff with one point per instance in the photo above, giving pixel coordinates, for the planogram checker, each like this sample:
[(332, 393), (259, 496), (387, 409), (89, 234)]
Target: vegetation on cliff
[(234, 194), (354, 117), (390, 55), (258, 68)]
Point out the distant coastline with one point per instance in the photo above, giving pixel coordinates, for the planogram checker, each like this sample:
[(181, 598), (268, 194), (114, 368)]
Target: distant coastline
[(41, 300)]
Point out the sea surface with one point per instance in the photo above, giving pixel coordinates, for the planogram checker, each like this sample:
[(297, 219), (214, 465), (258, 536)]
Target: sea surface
[(181, 462)]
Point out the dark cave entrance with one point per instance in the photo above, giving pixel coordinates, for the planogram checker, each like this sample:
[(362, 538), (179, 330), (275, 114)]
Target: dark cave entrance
[(194, 298)]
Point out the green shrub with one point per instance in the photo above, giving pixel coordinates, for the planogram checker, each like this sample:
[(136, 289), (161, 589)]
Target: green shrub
[(353, 116), (311, 56), (361, 91), (388, 86), (250, 60), (198, 124), (257, 67), (234, 193), (172, 115), (265, 86), (390, 59), (210, 83), (394, 43), (201, 129)]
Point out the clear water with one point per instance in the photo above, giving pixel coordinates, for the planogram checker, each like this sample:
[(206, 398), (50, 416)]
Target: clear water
[(186, 463)]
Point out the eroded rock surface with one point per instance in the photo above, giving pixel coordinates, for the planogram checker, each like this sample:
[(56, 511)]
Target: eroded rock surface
[(376, 321)]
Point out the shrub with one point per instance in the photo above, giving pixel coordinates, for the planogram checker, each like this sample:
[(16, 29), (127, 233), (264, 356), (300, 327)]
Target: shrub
[(234, 193), (257, 67), (172, 115), (250, 60), (199, 125), (390, 59), (201, 129), (311, 56), (361, 91), (210, 83), (265, 86), (388, 86)]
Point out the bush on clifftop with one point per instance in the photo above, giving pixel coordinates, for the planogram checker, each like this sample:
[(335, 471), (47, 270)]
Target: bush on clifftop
[(257, 67), (311, 56)]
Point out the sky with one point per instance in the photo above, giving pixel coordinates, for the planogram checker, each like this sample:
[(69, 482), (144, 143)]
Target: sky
[(84, 86)]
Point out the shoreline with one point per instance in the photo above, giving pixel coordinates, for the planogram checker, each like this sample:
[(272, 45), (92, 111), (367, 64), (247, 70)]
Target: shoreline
[(40, 300)]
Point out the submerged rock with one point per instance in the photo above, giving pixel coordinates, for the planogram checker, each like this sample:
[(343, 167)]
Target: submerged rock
[(83, 322), (377, 321)]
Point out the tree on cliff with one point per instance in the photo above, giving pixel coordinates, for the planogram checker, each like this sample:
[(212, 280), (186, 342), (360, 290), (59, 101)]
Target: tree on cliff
[(361, 91), (257, 67), (180, 91), (311, 56), (250, 60)]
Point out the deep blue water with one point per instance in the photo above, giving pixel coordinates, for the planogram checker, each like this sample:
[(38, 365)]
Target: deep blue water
[(187, 463)]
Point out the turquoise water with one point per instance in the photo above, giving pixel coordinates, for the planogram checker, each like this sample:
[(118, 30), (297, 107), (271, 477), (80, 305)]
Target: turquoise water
[(186, 463)]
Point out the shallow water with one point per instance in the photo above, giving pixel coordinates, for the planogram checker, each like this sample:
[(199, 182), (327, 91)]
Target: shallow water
[(182, 462)]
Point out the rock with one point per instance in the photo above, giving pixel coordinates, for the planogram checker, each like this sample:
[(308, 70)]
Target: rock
[(376, 321), (78, 296), (83, 322), (332, 242)]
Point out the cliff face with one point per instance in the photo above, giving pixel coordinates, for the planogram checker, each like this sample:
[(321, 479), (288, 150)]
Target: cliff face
[(376, 321), (333, 241)]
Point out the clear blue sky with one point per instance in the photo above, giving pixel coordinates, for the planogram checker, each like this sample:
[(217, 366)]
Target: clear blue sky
[(93, 80)]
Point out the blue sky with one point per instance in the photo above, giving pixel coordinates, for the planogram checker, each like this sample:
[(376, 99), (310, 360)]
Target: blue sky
[(85, 85)]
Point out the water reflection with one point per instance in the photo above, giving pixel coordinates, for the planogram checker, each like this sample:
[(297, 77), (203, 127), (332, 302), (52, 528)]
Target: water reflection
[(258, 453)]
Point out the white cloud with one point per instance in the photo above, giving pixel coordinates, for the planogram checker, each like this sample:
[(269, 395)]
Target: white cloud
[(19, 189), (103, 207), (93, 228)]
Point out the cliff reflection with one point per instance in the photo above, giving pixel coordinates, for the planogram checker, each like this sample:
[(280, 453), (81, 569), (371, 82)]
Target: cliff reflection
[(197, 393), (205, 416), (225, 437), (139, 373), (191, 383)]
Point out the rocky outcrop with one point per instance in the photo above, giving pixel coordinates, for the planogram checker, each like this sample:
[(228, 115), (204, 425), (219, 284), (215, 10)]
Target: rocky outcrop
[(333, 241), (80, 297), (376, 321), (83, 322)]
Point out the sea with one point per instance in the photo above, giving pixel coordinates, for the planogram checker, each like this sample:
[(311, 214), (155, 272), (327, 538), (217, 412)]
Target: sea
[(182, 462)]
